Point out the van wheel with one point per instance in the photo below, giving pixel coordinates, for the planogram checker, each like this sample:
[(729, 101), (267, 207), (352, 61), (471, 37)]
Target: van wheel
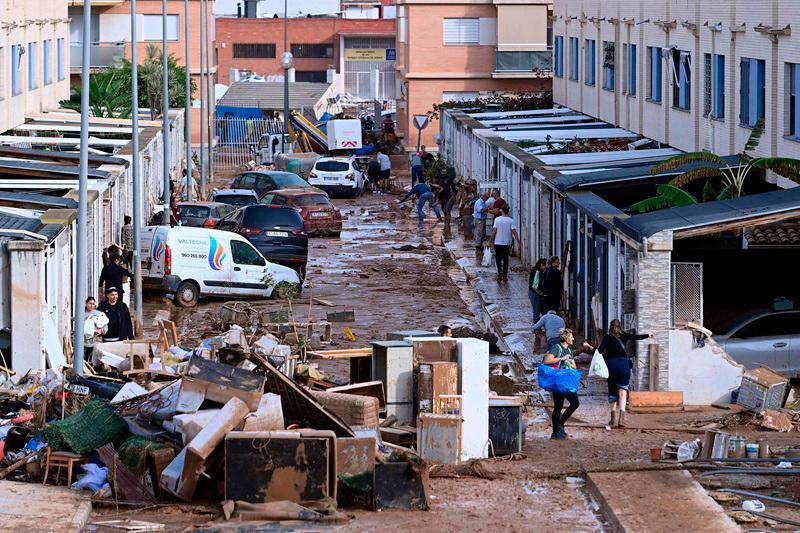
[(187, 294)]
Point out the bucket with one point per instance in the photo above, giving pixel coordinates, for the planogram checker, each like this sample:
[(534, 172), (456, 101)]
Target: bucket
[(655, 454), (752, 450)]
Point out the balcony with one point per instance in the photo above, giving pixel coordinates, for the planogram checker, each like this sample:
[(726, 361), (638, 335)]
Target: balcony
[(101, 55), (536, 64)]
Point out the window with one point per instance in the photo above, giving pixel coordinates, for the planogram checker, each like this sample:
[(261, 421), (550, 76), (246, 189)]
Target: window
[(48, 76), (608, 65), (244, 254), (707, 76), (574, 46), (324, 50), (316, 76), (751, 92), (654, 69), (60, 58), (16, 67), (152, 25), (253, 50), (794, 103), (311, 199), (682, 79), (558, 56), (32, 66), (462, 31), (632, 70), (778, 325), (591, 62), (718, 86)]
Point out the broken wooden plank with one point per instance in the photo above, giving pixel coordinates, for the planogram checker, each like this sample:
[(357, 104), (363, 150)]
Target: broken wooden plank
[(655, 398), (122, 480), (341, 354), (320, 301)]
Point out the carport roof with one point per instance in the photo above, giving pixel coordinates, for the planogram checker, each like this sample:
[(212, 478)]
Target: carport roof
[(41, 200), (710, 217), (34, 225), (596, 207), (569, 181), (46, 170)]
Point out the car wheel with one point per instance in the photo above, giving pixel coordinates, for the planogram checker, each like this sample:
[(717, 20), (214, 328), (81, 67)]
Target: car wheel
[(187, 294)]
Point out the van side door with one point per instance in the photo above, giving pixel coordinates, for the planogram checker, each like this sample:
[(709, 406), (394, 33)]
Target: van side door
[(249, 268)]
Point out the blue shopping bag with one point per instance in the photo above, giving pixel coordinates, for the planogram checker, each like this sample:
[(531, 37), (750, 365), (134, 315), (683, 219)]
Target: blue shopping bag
[(562, 380)]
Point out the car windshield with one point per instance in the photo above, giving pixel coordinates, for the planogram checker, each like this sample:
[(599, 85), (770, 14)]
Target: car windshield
[(237, 199), (285, 180), (332, 166), (311, 199), (198, 211), (269, 217)]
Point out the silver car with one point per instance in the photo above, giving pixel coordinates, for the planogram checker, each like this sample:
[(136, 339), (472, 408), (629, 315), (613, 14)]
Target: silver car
[(764, 337)]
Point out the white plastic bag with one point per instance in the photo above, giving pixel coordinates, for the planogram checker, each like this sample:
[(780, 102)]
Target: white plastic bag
[(487, 256), (598, 366)]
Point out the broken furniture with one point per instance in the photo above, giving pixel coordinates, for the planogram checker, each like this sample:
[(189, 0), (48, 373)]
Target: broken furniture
[(473, 386), (761, 389), (393, 364), (411, 333), (360, 361), (655, 401), (433, 349), (506, 426), (366, 388), (59, 460), (353, 409), (433, 380), (355, 467), (276, 465), (218, 382), (400, 486), (439, 437), (341, 316)]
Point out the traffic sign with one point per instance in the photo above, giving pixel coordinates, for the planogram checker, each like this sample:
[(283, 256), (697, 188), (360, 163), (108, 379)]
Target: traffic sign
[(420, 121)]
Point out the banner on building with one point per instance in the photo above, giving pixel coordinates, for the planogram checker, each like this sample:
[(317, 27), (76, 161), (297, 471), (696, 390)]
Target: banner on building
[(365, 54)]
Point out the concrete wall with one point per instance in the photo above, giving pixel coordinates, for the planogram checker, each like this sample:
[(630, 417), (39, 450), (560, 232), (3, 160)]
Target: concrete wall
[(726, 28), (23, 22), (705, 375), (28, 303)]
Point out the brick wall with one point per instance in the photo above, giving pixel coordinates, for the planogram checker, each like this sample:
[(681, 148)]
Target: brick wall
[(653, 306)]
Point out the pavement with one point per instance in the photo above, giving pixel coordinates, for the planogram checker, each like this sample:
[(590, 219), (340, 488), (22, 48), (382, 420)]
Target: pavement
[(57, 509)]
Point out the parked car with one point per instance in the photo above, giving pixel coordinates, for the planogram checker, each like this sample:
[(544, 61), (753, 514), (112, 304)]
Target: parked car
[(764, 337), (320, 216), (264, 181), (203, 214), (338, 176), (235, 197), (191, 263), (276, 231)]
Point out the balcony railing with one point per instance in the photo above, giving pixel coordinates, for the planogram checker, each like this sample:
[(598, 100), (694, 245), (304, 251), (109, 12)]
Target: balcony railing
[(101, 55), (522, 62)]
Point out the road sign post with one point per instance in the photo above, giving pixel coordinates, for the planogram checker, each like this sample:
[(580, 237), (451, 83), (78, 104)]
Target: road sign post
[(420, 122)]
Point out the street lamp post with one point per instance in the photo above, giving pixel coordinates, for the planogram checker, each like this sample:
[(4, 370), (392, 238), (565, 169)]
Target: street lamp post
[(187, 115), (83, 183), (202, 108), (286, 63), (165, 109), (135, 169)]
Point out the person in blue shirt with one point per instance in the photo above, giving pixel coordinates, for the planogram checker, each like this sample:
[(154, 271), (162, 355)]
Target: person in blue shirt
[(424, 195)]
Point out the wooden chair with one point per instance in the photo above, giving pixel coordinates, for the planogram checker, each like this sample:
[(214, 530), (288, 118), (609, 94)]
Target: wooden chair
[(61, 460)]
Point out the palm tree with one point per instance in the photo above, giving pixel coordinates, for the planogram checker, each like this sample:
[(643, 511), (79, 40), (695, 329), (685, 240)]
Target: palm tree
[(713, 166), (107, 97)]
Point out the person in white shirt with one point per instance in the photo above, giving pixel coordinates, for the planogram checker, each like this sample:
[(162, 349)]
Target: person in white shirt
[(503, 236), (386, 170), (479, 215)]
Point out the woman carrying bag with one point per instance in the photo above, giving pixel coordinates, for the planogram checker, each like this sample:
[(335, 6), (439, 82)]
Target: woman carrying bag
[(619, 369), (560, 357)]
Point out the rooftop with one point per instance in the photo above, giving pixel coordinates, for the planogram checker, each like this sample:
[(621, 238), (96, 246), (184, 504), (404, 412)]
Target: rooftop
[(269, 95)]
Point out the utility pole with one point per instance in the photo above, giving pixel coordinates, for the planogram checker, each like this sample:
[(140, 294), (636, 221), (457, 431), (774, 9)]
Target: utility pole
[(209, 91), (286, 63), (187, 115), (137, 180), (202, 109), (83, 183), (165, 110)]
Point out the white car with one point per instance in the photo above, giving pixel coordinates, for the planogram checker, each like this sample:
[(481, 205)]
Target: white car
[(190, 263), (338, 176)]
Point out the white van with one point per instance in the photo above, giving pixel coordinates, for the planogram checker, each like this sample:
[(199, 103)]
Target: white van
[(193, 262)]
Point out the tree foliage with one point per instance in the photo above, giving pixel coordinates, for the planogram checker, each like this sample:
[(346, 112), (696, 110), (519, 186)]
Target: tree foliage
[(519, 101)]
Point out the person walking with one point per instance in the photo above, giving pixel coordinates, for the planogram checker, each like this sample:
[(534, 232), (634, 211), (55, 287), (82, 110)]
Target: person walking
[(479, 215), (417, 169), (99, 326), (503, 236), (534, 291), (126, 238), (619, 368), (113, 273), (120, 326), (385, 171), (552, 285), (552, 324), (374, 174), (560, 356), (424, 196)]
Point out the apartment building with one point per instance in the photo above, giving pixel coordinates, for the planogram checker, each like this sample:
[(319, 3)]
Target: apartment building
[(462, 49), (111, 38), (357, 9), (695, 75), (34, 62), (335, 50)]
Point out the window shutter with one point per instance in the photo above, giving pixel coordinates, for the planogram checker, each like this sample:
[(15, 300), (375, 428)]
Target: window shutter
[(462, 31)]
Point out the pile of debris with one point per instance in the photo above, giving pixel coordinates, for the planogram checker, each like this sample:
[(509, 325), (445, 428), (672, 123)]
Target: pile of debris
[(245, 417)]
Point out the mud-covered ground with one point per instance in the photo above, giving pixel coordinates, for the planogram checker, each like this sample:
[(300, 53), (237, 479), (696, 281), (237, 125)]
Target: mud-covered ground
[(396, 277)]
